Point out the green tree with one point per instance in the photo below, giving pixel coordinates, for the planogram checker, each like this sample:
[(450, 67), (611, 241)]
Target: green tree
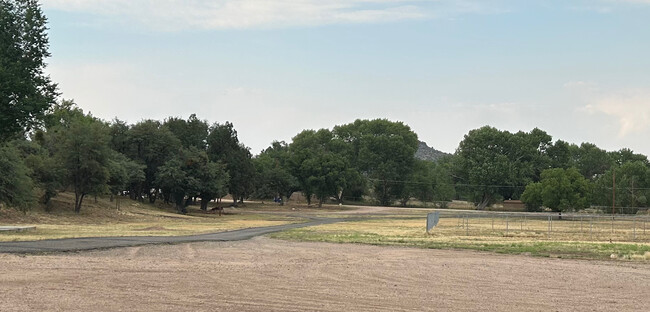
[(150, 144), (560, 155), (420, 183), (15, 183), (190, 173), (173, 181), (119, 134), (46, 171), (123, 173), (190, 132), (212, 178), (632, 186), (224, 147), (590, 160), (84, 153), (382, 151), (443, 190), (626, 155), (495, 164), (274, 178), (559, 189), (26, 92)]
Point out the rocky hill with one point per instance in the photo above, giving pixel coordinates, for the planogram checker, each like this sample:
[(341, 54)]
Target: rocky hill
[(425, 152)]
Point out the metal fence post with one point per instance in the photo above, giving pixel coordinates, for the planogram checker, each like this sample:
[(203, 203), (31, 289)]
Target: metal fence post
[(507, 224), (611, 236), (549, 227), (634, 221), (591, 228)]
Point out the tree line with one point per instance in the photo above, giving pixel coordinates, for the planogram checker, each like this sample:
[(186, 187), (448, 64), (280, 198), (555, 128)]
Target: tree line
[(49, 145), (492, 165)]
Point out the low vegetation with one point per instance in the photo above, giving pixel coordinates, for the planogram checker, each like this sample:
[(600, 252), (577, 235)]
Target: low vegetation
[(102, 219), (410, 232)]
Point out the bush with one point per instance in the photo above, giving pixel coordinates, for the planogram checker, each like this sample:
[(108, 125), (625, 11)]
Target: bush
[(16, 187)]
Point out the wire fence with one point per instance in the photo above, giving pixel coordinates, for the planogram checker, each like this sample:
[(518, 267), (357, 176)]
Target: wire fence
[(541, 226)]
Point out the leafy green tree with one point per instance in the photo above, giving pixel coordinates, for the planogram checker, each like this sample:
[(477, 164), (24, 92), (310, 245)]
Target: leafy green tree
[(47, 172), (532, 196), (84, 153), (559, 189), (483, 163), (590, 160), (224, 147), (319, 166), (326, 175), (150, 144), (382, 151), (212, 178), (560, 155), (190, 132), (420, 183), (26, 92), (626, 155), (123, 173), (173, 180), (119, 134), (443, 190), (495, 164), (632, 186), (190, 173), (274, 178), (15, 184)]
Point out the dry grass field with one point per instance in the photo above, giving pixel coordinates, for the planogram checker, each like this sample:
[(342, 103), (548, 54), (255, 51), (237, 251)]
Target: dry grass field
[(134, 218), (512, 235)]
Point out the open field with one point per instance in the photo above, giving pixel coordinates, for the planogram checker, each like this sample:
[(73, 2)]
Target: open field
[(500, 233), (271, 275), (575, 236), (102, 219)]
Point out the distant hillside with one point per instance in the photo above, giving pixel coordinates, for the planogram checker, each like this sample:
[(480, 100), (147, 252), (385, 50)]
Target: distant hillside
[(425, 152)]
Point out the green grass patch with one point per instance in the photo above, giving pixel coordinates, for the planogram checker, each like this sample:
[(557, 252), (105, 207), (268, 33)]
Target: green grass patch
[(555, 249)]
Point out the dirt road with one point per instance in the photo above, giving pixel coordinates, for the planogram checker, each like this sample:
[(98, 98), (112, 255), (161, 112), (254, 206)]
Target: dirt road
[(262, 274)]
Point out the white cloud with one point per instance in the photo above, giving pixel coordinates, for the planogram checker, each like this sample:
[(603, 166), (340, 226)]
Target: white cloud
[(242, 14), (631, 109)]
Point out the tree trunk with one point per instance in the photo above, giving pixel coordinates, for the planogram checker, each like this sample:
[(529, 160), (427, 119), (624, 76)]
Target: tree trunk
[(204, 204), (484, 202), (320, 202), (77, 202), (112, 197)]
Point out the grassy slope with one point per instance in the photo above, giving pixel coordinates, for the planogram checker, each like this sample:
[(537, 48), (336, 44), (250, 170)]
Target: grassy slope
[(132, 219)]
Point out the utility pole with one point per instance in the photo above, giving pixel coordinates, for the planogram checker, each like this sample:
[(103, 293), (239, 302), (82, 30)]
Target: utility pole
[(613, 191)]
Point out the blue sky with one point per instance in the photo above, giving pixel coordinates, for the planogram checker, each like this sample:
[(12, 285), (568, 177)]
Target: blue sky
[(578, 69)]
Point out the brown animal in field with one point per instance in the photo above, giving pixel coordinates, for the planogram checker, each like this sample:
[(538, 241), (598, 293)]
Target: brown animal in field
[(215, 209)]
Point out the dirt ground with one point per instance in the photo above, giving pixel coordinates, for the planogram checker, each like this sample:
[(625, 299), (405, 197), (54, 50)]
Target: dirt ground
[(270, 275)]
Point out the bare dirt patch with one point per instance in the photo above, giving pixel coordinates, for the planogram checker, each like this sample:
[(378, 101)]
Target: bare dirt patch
[(270, 275)]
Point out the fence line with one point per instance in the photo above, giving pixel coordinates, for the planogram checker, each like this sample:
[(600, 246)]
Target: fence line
[(544, 226)]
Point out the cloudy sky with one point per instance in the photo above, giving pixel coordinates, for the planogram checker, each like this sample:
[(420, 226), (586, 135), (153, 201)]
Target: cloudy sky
[(579, 70)]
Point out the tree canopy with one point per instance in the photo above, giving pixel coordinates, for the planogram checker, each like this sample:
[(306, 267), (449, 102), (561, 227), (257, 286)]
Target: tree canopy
[(26, 92)]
